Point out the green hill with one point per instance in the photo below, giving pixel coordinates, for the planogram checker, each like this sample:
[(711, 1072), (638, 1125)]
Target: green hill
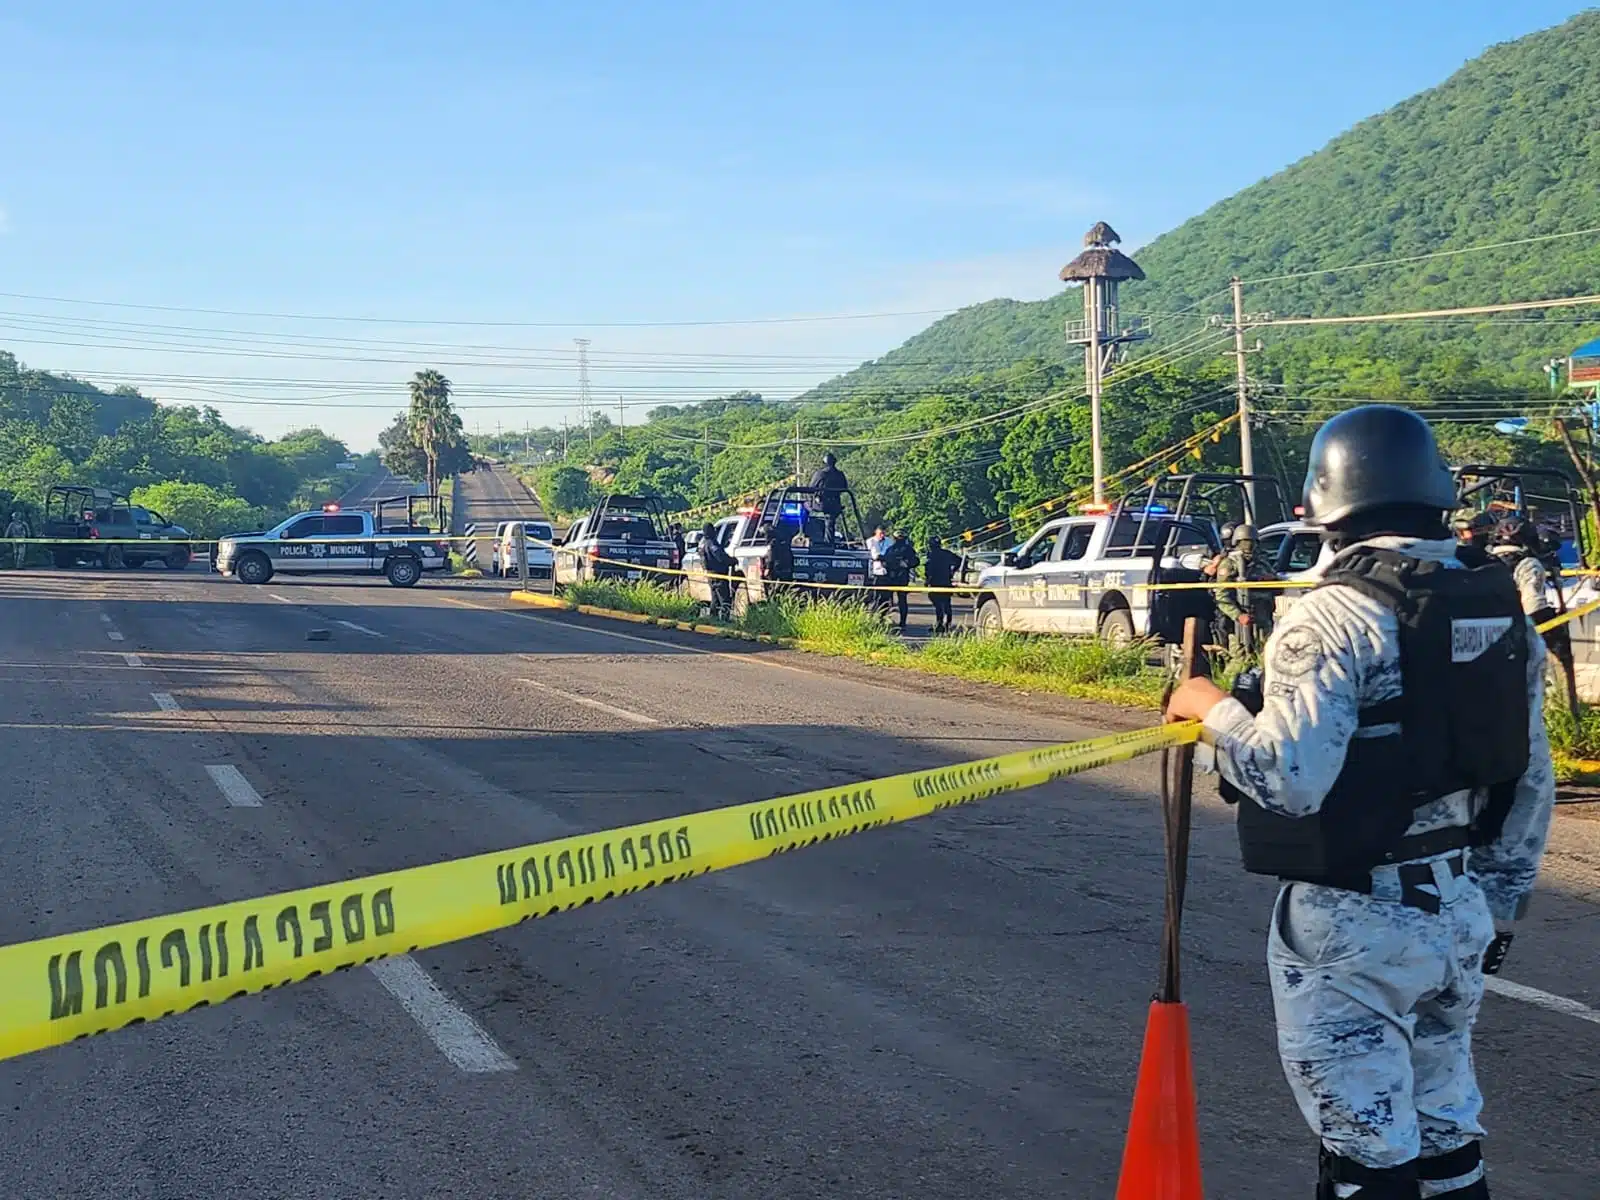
[(1507, 148)]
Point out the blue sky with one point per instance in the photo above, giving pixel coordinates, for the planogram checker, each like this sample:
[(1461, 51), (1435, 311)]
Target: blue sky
[(591, 166)]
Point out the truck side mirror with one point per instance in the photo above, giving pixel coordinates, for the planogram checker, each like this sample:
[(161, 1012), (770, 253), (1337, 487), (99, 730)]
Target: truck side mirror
[(1012, 559)]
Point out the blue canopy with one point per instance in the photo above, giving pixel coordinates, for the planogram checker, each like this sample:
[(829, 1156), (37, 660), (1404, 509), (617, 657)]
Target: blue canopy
[(1587, 350)]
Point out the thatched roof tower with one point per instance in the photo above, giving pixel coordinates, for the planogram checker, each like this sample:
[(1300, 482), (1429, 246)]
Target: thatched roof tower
[(1099, 260)]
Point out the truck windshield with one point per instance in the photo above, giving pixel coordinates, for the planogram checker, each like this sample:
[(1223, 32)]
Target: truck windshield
[(635, 527)]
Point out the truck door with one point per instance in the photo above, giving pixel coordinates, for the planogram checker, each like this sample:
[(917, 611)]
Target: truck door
[(1027, 603), (348, 547), (295, 550), (1068, 580)]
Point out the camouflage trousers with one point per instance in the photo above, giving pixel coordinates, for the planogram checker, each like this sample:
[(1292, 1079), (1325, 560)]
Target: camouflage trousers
[(1375, 1005)]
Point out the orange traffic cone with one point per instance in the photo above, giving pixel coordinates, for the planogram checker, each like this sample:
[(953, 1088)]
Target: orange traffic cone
[(1161, 1160)]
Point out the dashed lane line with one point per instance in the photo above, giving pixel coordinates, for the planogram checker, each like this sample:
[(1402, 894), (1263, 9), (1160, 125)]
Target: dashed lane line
[(114, 635), (588, 702), (359, 628), (133, 660), (460, 1039), (165, 702), (234, 786), (280, 599), (106, 617)]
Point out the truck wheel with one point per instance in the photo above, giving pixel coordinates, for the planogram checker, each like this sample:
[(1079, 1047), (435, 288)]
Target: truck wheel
[(64, 560), (402, 571), (1116, 627), (253, 568), (988, 619), (178, 560)]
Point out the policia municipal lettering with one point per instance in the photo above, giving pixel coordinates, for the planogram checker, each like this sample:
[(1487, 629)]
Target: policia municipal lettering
[(1393, 770)]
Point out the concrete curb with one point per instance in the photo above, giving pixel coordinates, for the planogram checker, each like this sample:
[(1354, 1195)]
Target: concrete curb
[(540, 600)]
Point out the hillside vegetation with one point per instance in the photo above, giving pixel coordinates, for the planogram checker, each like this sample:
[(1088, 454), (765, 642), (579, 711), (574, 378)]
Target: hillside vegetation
[(185, 462), (1507, 148)]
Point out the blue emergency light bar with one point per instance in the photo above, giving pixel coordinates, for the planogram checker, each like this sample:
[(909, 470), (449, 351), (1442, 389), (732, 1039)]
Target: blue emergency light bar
[(792, 509)]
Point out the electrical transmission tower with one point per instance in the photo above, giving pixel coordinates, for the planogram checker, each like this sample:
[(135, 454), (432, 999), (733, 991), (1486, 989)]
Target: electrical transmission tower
[(584, 398)]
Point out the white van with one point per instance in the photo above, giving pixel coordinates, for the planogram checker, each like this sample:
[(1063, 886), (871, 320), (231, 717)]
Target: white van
[(541, 558)]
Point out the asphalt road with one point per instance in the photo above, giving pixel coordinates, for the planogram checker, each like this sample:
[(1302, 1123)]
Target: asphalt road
[(940, 1010), (486, 497)]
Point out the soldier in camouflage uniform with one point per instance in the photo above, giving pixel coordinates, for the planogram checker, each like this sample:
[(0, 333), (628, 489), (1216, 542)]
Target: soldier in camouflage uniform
[(1246, 612), (1392, 908), (1515, 542)]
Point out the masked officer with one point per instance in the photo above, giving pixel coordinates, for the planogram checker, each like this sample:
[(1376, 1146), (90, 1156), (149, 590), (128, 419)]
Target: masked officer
[(1248, 611), (1515, 542), (720, 566), (1394, 773), (1473, 528)]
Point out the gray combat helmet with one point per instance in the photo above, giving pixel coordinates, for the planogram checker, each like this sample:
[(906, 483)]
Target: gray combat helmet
[(1243, 534), (1371, 457)]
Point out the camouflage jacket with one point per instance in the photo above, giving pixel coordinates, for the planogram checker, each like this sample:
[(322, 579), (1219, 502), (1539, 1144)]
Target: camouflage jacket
[(1234, 567), (1334, 652)]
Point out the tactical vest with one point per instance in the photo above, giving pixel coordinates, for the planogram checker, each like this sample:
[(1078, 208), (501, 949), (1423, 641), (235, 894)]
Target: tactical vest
[(1461, 718)]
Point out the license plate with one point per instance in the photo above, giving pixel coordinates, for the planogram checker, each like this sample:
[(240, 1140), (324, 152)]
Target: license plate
[(855, 580), (663, 562), (633, 574)]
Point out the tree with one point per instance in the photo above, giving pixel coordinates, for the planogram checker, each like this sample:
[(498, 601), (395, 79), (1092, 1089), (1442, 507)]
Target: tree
[(434, 423), (567, 489), (206, 512), (398, 450)]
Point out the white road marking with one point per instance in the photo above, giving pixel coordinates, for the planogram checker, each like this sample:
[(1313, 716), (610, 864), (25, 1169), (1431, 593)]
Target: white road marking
[(461, 1039), (234, 786), (113, 635), (133, 660), (1545, 1000), (625, 714), (659, 643), (165, 702), (106, 617), (359, 628), (280, 599)]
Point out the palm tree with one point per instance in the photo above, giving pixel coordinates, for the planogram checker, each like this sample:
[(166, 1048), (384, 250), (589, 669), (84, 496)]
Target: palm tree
[(432, 419)]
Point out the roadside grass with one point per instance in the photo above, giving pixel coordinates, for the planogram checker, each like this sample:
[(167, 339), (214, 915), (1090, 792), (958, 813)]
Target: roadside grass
[(1085, 669), (1573, 743), (645, 598), (459, 568)]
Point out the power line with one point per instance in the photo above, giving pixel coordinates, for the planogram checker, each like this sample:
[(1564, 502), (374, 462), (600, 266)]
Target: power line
[(457, 323), (1415, 258), (1518, 306)]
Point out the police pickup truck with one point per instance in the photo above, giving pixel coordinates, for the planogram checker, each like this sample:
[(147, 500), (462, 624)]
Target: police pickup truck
[(335, 542), (1084, 574), (840, 559), (623, 537)]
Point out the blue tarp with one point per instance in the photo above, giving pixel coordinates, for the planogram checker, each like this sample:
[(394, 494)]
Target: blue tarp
[(1587, 350)]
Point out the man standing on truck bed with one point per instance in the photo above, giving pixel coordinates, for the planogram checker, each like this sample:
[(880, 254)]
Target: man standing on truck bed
[(831, 486)]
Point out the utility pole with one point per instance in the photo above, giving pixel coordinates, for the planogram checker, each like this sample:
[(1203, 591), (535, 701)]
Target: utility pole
[(584, 399), (622, 420), (1247, 459), (1103, 333), (563, 438), (797, 450), (1095, 369)]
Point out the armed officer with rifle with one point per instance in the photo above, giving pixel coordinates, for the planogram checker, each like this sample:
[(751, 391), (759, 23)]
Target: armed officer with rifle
[(1393, 771)]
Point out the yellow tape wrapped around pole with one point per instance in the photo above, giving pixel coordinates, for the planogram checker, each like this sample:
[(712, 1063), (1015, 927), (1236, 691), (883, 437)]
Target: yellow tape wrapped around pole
[(77, 985)]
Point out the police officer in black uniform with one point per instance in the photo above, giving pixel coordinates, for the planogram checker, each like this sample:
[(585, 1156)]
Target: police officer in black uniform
[(831, 486)]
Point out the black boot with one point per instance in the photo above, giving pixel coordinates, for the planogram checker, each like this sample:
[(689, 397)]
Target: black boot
[(1373, 1183), (1462, 1161)]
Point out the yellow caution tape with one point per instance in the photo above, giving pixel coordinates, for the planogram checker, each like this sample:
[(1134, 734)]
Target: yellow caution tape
[(80, 984), (1571, 615)]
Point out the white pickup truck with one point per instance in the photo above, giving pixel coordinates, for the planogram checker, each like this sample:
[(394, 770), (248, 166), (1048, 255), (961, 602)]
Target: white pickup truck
[(1089, 574), (335, 542), (1080, 575)]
